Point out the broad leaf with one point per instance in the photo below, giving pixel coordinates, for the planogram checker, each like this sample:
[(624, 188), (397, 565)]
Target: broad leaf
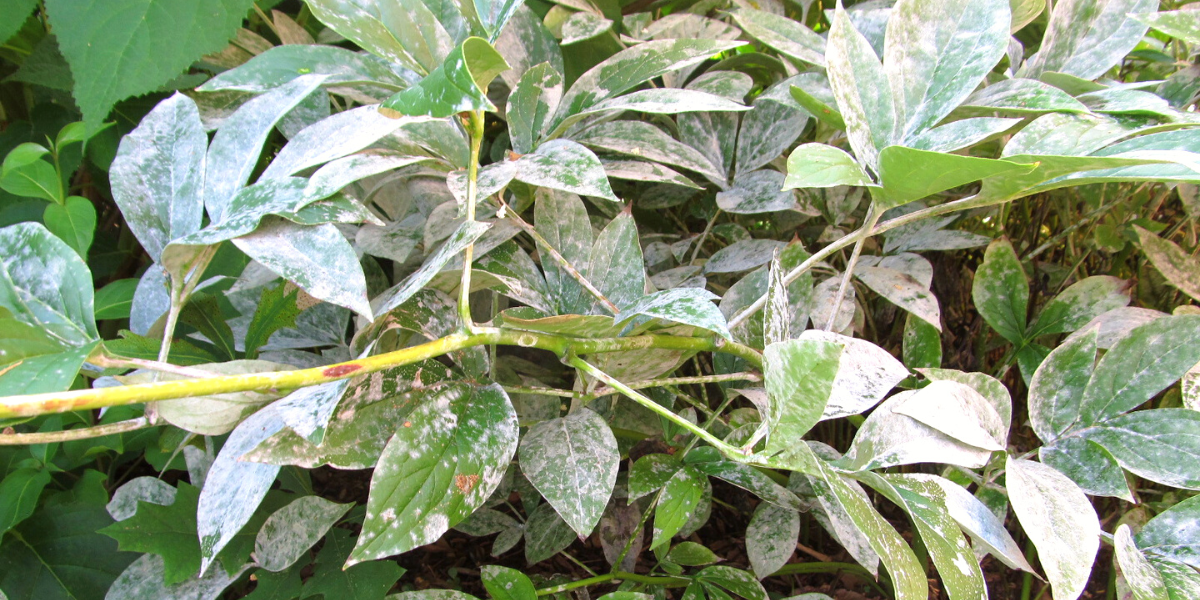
[(771, 538), (961, 134), (981, 523), (531, 105), (645, 141), (903, 291), (936, 53), (333, 579), (785, 36), (562, 220), (357, 22), (861, 87), (168, 531), (865, 374), (958, 411), (1024, 96), (465, 235), (143, 580), (1059, 520), (799, 377), (112, 59), (438, 469), (908, 174), (1080, 303), (45, 285), (1177, 266), (19, 494), (1086, 38), (1159, 445), (1056, 391), (73, 221), (1179, 24), (819, 165), (573, 462), (292, 530), (282, 64), (349, 131), (458, 85), (507, 584), (690, 306), (1174, 533), (615, 265), (1145, 580), (1001, 291), (679, 498), (888, 438), (567, 166)]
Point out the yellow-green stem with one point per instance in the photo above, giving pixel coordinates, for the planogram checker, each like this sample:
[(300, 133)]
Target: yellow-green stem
[(475, 130)]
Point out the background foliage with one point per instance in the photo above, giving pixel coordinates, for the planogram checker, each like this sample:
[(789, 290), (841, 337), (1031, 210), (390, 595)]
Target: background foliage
[(764, 299)]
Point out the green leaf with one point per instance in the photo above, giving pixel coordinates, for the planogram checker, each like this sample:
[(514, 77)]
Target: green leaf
[(960, 134), (531, 105), (494, 14), (925, 502), (1145, 580), (615, 265), (573, 461), (147, 45), (168, 531), (436, 471), (819, 108), (143, 580), (562, 220), (749, 479), (771, 538), (1024, 96), (1092, 467), (43, 373), (678, 501), (19, 494), (1059, 520), (767, 131), (908, 174), (649, 473), (866, 373), (1182, 580), (634, 66), (57, 555), (277, 309), (74, 222), (44, 284), (465, 235), (458, 85), (1178, 267), (819, 165), (799, 376), (1085, 38), (288, 534), (1159, 445), (922, 345), (1001, 291), (691, 554), (333, 579), (645, 141), (361, 24), (1056, 391), (1173, 533), (1140, 365), (1080, 303), (861, 87), (24, 173), (507, 584), (1179, 24), (203, 311), (689, 306), (737, 581), (783, 35), (936, 53), (567, 166), (158, 174), (903, 291), (17, 12)]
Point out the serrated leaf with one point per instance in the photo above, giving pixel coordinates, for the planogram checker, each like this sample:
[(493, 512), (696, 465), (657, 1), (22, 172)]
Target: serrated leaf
[(1140, 366), (458, 85), (1085, 39), (567, 166), (771, 538), (203, 312), (1001, 291), (292, 530), (573, 462), (1059, 520), (864, 97), (153, 42), (463, 438), (168, 531), (819, 165), (935, 55), (679, 499)]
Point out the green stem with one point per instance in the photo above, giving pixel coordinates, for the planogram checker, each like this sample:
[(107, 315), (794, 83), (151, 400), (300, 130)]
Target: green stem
[(56, 402), (872, 218), (475, 129), (669, 415), (81, 433), (616, 575)]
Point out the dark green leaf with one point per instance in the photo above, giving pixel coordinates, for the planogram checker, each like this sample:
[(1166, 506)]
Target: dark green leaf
[(1141, 365), (277, 309), (507, 584), (168, 531), (333, 579), (74, 222), (19, 494), (1001, 291), (458, 85)]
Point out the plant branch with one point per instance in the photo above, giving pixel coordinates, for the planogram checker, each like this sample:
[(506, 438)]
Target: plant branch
[(475, 129), (559, 258), (615, 575), (872, 218), (56, 402), (66, 435), (654, 407)]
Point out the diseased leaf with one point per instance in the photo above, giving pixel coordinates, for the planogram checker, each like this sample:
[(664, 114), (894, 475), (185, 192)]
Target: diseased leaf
[(958, 411), (143, 580), (860, 84), (643, 140), (1059, 520), (888, 438), (282, 64), (981, 523), (785, 36), (567, 166), (1080, 303), (615, 263), (573, 462), (680, 498), (1024, 96), (168, 531), (45, 285), (1160, 445), (1178, 267), (866, 373), (1001, 291), (1056, 391), (1145, 580), (1172, 533), (961, 134), (531, 105), (507, 584), (459, 84), (903, 291), (771, 538), (689, 306), (292, 530), (1179, 24), (1085, 39), (546, 534), (463, 438), (562, 220), (466, 234), (349, 131), (799, 377)]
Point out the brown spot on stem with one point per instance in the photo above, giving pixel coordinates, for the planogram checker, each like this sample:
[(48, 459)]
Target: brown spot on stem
[(465, 483), (340, 370)]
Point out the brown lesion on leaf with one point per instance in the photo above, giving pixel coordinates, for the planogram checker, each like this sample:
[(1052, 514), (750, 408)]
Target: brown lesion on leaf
[(465, 483)]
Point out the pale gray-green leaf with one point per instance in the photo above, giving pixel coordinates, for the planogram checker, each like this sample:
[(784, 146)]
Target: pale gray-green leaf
[(531, 105), (865, 375), (292, 530), (615, 263), (958, 411), (903, 291), (1181, 269), (1024, 96), (689, 306), (1144, 580), (982, 524), (1085, 38), (573, 462), (861, 87), (565, 165), (143, 580), (799, 376), (331, 138), (771, 538), (465, 235), (960, 134), (1056, 391), (643, 140), (783, 35)]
